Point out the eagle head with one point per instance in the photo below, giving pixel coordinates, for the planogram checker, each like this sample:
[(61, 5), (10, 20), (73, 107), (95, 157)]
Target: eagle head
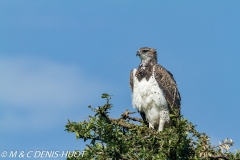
[(146, 54)]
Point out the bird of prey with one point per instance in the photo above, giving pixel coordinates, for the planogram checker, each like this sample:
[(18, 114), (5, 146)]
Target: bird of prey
[(154, 90)]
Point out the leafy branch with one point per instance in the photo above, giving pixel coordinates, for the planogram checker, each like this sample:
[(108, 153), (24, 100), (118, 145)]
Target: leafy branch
[(128, 137)]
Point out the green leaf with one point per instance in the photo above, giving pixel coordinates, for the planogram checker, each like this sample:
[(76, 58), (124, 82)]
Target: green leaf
[(77, 135), (108, 139), (105, 95)]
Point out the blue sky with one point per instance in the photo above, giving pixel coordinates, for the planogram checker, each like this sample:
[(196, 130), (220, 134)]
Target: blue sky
[(58, 57)]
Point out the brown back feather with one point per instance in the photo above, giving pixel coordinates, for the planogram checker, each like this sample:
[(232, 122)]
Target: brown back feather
[(167, 83)]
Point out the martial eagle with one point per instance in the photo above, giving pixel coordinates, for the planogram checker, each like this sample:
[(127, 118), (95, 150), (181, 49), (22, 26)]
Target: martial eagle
[(154, 90)]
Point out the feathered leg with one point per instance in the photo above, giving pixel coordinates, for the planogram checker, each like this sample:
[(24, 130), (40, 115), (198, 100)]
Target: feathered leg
[(164, 117)]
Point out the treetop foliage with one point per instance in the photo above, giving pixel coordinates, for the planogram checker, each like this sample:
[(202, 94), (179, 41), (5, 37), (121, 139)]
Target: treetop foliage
[(129, 138)]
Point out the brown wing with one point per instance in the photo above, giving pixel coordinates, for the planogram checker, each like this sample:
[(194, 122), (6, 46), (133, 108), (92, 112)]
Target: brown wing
[(131, 80), (167, 83)]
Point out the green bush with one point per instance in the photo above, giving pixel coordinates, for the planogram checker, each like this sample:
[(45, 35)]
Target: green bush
[(129, 138)]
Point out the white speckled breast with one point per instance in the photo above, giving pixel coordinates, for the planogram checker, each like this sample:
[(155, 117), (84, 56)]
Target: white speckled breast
[(149, 98)]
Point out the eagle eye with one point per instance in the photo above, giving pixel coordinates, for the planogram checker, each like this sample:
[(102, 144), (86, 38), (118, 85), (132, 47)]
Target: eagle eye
[(144, 51)]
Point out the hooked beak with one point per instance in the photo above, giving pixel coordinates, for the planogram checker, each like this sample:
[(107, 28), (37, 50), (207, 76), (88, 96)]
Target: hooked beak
[(138, 53)]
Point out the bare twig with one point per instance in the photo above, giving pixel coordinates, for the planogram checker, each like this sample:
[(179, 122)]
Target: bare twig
[(125, 115), (134, 119), (217, 157)]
